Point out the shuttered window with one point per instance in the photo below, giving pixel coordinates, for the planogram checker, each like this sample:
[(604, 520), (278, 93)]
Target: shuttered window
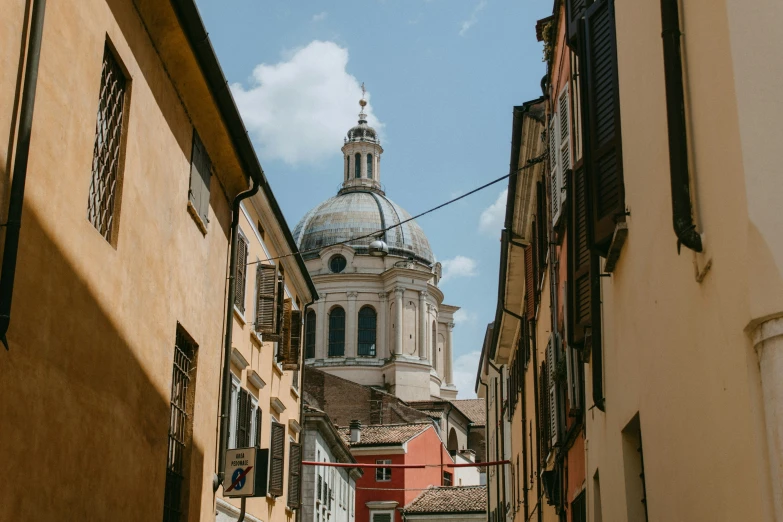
[(276, 459), (543, 408), (266, 298), (257, 428), (244, 419), (564, 142), (284, 343), (551, 366), (293, 340), (554, 167), (294, 475), (241, 273), (107, 149), (579, 277), (601, 115), (575, 10), (200, 178), (310, 335)]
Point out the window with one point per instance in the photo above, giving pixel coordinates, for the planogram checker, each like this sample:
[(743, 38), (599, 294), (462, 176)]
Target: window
[(180, 429), (357, 165), (579, 508), (310, 334), (241, 272), (347, 164), (369, 166), (244, 418), (385, 516), (266, 298), (337, 332), (200, 178), (367, 321), (337, 264), (448, 479), (276, 459), (383, 474), (107, 155)]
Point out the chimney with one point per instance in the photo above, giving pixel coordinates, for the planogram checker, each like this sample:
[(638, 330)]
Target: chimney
[(356, 432)]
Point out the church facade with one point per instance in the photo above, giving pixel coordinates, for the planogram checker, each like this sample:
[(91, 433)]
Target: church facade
[(381, 320)]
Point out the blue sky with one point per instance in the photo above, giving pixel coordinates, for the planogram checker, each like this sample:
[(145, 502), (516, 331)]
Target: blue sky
[(442, 77)]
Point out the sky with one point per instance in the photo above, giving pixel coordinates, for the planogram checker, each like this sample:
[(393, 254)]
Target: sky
[(442, 78)]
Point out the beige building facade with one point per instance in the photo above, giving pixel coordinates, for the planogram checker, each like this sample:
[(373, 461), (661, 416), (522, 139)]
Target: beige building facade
[(112, 378)]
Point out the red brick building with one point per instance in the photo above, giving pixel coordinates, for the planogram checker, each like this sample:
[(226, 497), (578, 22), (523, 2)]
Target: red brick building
[(382, 492)]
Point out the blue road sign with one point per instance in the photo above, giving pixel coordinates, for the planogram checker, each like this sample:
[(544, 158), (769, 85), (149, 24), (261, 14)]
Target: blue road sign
[(239, 484)]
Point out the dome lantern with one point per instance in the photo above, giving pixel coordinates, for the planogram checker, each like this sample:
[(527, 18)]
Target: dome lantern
[(362, 155)]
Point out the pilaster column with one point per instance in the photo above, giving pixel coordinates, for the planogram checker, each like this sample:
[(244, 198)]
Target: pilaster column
[(380, 333), (423, 325), (768, 342), (449, 374), (434, 341), (350, 325), (320, 327), (398, 293)]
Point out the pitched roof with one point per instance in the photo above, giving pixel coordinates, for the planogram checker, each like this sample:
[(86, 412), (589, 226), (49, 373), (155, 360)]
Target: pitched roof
[(450, 499), (473, 409), (438, 414), (386, 434)]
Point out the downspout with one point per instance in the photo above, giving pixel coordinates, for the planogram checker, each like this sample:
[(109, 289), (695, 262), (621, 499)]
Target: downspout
[(486, 438), (301, 412), (13, 223), (225, 399), (524, 438), (537, 416), (682, 210), (502, 444)]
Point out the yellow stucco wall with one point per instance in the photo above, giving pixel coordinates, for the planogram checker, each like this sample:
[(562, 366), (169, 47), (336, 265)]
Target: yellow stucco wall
[(675, 350), (86, 385)]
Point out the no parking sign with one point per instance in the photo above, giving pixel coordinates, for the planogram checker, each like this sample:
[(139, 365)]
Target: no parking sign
[(245, 473)]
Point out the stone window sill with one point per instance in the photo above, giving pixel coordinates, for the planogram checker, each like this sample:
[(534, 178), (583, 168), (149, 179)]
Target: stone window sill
[(199, 222)]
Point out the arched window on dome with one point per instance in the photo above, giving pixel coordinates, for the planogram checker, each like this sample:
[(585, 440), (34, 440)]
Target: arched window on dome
[(369, 166), (357, 165), (337, 332), (367, 322), (347, 164), (310, 334)]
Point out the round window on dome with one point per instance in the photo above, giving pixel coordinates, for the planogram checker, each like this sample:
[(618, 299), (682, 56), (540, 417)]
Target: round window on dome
[(337, 264)]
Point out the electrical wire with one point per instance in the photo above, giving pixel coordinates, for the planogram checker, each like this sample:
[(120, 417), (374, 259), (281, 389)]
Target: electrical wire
[(530, 163)]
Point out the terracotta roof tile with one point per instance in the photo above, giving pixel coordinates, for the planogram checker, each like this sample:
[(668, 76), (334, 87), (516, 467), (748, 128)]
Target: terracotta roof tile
[(381, 434), (455, 499), (473, 409)]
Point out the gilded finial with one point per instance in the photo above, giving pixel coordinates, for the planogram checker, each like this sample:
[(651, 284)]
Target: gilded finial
[(363, 102)]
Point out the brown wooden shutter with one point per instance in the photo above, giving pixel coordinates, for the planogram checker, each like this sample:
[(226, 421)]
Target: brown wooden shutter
[(284, 343), (530, 285), (258, 428), (241, 273), (244, 411), (543, 412), (294, 468), (579, 284), (601, 116), (294, 342), (276, 459), (280, 305), (575, 10), (266, 292)]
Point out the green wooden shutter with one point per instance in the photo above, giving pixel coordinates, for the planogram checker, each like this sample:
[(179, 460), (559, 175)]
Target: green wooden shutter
[(294, 476), (266, 293), (276, 459), (241, 273), (601, 115)]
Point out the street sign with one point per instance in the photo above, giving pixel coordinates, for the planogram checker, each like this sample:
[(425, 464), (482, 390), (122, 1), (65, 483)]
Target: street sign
[(246, 472)]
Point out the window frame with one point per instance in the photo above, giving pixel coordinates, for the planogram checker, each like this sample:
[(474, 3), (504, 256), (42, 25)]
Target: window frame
[(372, 351), (385, 473), (336, 343)]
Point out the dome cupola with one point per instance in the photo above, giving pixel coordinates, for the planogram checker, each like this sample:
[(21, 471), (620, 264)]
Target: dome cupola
[(362, 155)]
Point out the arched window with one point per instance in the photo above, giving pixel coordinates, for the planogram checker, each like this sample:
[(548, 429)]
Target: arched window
[(367, 322), (310, 334), (357, 164), (337, 332), (347, 163), (369, 166)]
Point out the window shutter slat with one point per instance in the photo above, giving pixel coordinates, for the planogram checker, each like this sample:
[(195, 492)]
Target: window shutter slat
[(258, 428), (565, 143), (276, 459), (239, 293), (200, 178), (529, 283), (294, 341), (575, 9), (284, 343), (266, 292), (601, 115), (554, 167), (294, 481), (551, 363), (243, 418), (543, 400)]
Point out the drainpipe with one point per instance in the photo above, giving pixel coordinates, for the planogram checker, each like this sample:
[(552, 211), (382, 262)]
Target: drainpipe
[(225, 403), (486, 438), (14, 221), (524, 438), (502, 444), (537, 417), (301, 410), (682, 210)]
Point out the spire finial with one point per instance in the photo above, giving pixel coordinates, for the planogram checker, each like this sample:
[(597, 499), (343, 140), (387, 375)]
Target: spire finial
[(363, 104)]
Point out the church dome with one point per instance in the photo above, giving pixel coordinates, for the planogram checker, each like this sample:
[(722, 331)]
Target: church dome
[(357, 213)]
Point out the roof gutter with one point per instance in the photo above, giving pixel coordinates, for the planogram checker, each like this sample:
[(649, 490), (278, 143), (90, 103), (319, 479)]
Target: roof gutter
[(197, 36), (13, 223)]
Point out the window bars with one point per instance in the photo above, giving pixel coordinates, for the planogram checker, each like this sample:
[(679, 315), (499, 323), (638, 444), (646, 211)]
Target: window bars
[(106, 151), (184, 350)]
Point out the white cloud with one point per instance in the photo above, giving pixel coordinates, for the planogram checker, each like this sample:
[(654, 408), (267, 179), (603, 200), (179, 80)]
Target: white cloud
[(463, 316), (465, 370), (459, 266), (492, 219), (320, 16), (471, 21), (299, 109)]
